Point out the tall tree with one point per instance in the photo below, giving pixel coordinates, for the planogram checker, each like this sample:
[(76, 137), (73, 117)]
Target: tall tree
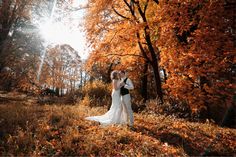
[(124, 29), (61, 68)]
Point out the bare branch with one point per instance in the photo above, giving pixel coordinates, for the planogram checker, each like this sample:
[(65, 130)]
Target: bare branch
[(157, 1), (119, 13), (145, 7), (113, 36), (141, 48), (130, 6), (123, 55)]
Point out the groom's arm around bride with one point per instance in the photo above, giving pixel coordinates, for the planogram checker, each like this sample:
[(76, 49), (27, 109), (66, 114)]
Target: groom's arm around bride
[(128, 85), (126, 82)]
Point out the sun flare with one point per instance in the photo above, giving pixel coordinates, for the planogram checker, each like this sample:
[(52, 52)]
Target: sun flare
[(54, 33)]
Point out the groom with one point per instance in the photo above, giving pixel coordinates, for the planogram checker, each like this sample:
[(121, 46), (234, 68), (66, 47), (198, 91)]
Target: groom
[(125, 96)]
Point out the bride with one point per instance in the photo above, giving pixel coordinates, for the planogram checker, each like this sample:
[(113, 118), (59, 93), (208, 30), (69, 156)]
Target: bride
[(117, 113)]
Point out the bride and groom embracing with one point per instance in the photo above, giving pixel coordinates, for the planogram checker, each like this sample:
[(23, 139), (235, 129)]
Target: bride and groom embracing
[(120, 111)]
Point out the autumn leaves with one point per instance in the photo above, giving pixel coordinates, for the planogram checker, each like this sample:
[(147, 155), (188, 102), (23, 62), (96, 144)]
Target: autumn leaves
[(189, 43)]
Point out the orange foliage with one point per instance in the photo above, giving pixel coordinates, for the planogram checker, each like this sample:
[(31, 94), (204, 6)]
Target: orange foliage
[(61, 67), (198, 51), (193, 41), (122, 31)]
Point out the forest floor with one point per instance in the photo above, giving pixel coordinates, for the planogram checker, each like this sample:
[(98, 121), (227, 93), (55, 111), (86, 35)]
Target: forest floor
[(30, 129)]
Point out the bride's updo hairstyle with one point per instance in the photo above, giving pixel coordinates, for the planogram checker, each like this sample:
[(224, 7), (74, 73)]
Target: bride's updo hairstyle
[(114, 75)]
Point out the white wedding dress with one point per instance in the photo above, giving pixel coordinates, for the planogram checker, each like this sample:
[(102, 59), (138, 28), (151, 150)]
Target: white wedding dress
[(117, 114)]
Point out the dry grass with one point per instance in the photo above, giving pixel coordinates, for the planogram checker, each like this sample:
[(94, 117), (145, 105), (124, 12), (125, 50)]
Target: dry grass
[(50, 130)]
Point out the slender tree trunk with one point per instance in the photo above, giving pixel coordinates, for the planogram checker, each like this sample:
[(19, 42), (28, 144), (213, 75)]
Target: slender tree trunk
[(157, 80), (85, 79), (165, 76), (61, 92), (3, 43), (71, 86), (57, 91), (3, 37), (74, 86), (154, 64), (144, 79), (154, 55), (53, 77), (107, 79)]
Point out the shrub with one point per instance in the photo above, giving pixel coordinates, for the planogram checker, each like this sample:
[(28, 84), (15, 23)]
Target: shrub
[(98, 92)]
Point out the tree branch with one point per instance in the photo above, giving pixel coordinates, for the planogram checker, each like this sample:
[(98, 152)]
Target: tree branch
[(141, 12), (119, 13), (157, 1), (145, 7), (141, 48), (123, 55), (130, 6), (113, 36)]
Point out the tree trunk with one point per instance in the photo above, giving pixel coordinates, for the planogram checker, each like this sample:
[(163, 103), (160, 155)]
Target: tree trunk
[(62, 92), (3, 36), (71, 86), (164, 73), (74, 86), (157, 80), (144, 79), (154, 55), (3, 42), (203, 80), (154, 64), (107, 79), (153, 59), (57, 91)]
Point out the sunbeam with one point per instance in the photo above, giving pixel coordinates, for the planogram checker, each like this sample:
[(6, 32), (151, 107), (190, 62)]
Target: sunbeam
[(41, 64), (45, 33)]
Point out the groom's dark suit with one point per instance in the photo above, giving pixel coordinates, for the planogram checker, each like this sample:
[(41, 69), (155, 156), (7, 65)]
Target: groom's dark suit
[(124, 90)]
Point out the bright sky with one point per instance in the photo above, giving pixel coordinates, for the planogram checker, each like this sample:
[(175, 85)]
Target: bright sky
[(72, 34)]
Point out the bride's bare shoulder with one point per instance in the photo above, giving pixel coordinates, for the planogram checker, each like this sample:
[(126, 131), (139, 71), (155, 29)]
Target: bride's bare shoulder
[(115, 81), (115, 84)]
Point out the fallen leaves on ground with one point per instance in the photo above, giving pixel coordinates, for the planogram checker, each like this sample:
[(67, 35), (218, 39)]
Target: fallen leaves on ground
[(52, 130)]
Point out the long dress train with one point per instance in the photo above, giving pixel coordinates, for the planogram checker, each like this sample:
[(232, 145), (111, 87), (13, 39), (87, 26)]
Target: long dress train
[(117, 113)]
